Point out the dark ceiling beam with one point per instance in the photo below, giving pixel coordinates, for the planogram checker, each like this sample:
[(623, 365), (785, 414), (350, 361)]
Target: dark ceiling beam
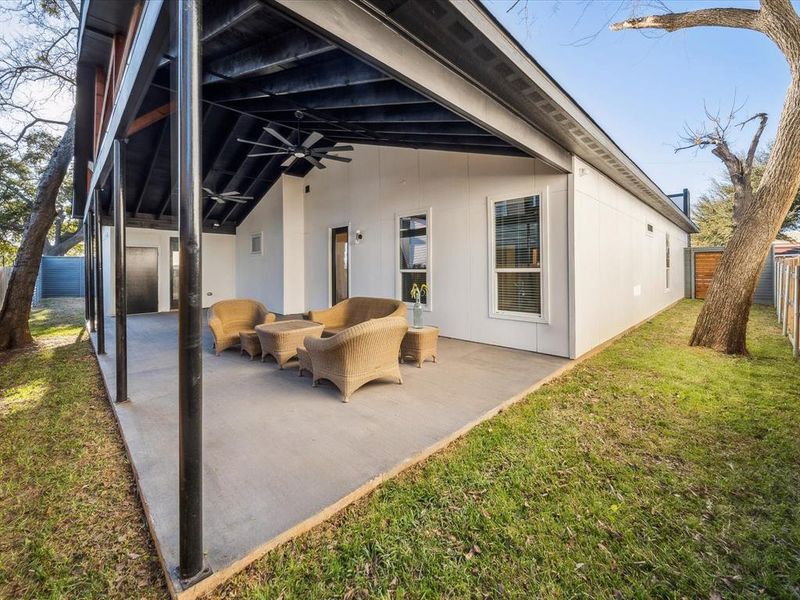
[(495, 150), (381, 129), (221, 16), (410, 113), (153, 162), (380, 93), (268, 56), (338, 72)]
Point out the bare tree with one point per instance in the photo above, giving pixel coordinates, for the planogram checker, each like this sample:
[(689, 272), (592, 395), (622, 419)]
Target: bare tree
[(715, 134), (722, 324), (41, 57)]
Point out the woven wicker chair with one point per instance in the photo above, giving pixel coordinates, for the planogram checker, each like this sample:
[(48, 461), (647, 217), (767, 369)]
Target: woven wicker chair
[(229, 317), (356, 310), (357, 355)]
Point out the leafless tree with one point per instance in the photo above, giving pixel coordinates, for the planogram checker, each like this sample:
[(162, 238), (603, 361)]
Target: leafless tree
[(715, 133), (40, 57), (722, 324)]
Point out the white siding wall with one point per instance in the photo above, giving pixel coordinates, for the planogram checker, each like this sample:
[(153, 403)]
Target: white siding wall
[(619, 273), (275, 277), (219, 253), (381, 183)]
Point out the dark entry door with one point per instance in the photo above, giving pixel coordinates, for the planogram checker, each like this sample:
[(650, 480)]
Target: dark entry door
[(340, 264), (142, 275)]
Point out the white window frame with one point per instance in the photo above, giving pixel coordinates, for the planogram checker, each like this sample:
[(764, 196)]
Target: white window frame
[(667, 261), (260, 236), (427, 306), (544, 260)]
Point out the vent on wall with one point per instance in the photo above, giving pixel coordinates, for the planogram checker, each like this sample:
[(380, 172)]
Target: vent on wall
[(650, 229)]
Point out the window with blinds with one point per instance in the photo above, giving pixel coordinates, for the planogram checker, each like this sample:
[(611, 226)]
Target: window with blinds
[(516, 232), (413, 240)]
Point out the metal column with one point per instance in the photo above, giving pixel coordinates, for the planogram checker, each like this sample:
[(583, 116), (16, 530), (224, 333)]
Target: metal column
[(120, 278), (100, 310), (87, 262), (186, 19), (88, 244)]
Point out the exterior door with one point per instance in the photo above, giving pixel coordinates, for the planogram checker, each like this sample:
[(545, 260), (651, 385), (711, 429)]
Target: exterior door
[(142, 273), (340, 264)]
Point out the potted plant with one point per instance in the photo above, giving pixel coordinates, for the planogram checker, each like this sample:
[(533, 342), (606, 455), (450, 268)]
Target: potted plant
[(416, 312)]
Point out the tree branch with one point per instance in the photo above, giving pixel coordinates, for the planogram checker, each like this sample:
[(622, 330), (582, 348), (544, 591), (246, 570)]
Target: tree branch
[(751, 152), (707, 17)]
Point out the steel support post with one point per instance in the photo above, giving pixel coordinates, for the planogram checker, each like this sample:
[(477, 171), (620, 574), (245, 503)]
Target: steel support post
[(100, 309), (88, 243), (120, 275), (186, 19)]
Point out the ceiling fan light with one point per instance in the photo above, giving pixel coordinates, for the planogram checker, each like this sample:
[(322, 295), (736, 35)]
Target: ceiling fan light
[(299, 153)]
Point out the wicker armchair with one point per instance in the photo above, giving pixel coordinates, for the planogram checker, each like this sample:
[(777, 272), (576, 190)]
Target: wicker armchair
[(229, 317), (357, 355), (356, 310)]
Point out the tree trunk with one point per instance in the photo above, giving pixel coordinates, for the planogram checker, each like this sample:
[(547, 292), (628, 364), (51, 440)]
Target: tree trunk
[(722, 324), (14, 330), (65, 245)]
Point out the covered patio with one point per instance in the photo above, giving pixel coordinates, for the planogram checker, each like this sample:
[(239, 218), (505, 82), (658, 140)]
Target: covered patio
[(281, 456)]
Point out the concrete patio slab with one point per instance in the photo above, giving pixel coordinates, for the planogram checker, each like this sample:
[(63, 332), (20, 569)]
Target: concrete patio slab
[(281, 456)]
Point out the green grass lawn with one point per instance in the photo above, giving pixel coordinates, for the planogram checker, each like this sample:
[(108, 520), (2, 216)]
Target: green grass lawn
[(70, 523), (650, 470)]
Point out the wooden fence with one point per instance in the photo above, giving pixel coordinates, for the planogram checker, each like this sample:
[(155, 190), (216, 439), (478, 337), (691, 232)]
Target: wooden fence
[(787, 298)]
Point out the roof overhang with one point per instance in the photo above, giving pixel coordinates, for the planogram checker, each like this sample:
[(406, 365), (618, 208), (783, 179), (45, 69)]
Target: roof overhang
[(466, 37)]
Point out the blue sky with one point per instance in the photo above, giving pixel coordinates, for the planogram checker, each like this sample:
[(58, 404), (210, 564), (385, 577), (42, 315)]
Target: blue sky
[(643, 87)]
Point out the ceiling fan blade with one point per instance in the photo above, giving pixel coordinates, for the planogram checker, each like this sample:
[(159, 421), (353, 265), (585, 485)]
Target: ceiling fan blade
[(258, 143), (278, 136), (231, 193), (237, 200), (314, 161), (266, 154), (218, 199), (334, 157), (312, 139), (208, 191), (289, 161), (335, 149)]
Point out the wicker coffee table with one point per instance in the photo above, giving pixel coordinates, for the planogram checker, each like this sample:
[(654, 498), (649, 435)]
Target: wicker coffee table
[(250, 343), (420, 344), (281, 338)]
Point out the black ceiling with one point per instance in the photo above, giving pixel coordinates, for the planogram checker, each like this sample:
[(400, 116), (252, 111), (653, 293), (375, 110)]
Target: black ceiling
[(260, 68)]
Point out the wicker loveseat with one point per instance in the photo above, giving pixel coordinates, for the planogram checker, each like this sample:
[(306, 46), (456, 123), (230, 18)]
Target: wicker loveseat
[(356, 310), (357, 355), (228, 318)]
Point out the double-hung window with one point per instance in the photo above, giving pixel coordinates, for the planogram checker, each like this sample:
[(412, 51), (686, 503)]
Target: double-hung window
[(516, 247), (413, 239), (667, 259)]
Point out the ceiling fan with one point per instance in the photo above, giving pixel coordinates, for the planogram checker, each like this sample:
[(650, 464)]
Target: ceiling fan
[(226, 197), (299, 151)]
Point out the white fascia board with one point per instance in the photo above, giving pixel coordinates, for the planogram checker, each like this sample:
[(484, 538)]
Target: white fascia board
[(130, 77), (357, 29), (510, 48)]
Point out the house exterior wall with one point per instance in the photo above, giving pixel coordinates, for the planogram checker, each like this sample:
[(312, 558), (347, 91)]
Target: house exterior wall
[(383, 183), (274, 277), (619, 269), (219, 253)]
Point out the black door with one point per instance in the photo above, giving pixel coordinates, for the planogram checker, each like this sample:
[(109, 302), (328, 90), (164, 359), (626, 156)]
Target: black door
[(142, 275), (340, 267)]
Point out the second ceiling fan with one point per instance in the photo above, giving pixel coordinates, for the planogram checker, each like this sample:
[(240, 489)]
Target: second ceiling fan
[(300, 151)]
